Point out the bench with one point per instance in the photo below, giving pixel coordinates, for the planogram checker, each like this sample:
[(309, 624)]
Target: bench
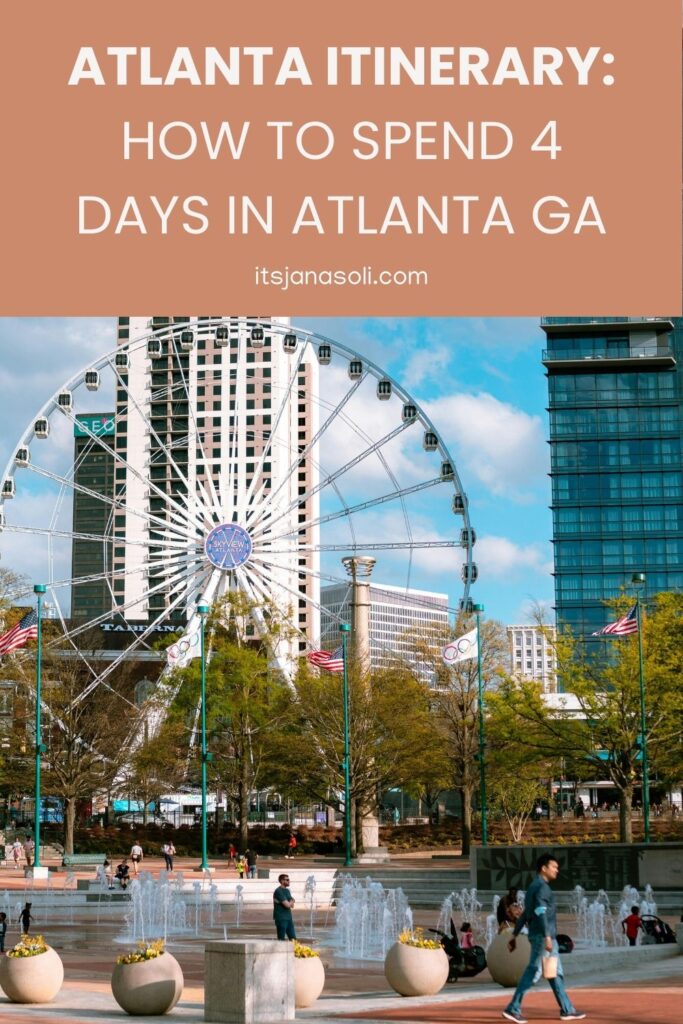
[(82, 860)]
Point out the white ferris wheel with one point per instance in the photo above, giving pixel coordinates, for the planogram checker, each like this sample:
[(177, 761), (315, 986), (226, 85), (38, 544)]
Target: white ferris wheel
[(213, 454)]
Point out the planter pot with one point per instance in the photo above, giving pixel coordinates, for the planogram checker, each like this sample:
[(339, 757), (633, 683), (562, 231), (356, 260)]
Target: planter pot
[(505, 967), (412, 971), (31, 979), (150, 987), (309, 980)]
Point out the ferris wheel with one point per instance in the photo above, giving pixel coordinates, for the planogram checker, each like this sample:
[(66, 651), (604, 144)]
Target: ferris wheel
[(208, 455)]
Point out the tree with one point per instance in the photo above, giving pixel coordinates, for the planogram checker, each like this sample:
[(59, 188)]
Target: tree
[(158, 765), (389, 733), (596, 726), (516, 798), (455, 702)]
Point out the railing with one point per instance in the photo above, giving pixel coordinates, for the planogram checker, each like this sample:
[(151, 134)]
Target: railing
[(575, 355)]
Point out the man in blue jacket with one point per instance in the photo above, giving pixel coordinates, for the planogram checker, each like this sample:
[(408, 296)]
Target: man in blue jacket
[(540, 917)]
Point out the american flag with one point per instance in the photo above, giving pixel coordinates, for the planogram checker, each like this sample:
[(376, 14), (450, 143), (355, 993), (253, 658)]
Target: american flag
[(622, 627), (330, 661), (26, 629)]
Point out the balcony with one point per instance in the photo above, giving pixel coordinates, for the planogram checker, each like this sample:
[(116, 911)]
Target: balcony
[(563, 324), (645, 356)]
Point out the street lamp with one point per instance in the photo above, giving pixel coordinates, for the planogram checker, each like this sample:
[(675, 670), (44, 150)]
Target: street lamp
[(478, 610), (638, 581), (38, 590), (345, 629), (203, 611)]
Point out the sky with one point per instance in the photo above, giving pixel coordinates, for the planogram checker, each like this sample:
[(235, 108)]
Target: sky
[(479, 380)]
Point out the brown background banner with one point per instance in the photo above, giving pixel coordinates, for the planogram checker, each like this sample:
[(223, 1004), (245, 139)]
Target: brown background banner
[(621, 144)]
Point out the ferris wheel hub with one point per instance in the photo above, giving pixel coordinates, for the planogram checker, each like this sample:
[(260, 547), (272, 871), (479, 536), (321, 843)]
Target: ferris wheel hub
[(228, 546)]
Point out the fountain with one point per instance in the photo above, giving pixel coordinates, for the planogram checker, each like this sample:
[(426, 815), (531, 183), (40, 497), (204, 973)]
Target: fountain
[(466, 905), (239, 904), (492, 922), (369, 918), (156, 910), (309, 891)]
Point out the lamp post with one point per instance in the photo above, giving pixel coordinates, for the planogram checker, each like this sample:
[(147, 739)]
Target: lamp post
[(38, 590), (478, 610), (638, 581), (203, 611), (345, 629)]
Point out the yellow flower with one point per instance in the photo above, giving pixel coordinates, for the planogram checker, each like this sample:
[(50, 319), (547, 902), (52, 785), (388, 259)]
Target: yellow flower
[(143, 951), (416, 938), (302, 952)]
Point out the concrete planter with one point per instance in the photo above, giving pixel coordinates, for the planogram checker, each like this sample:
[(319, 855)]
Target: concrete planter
[(309, 980), (412, 971), (505, 967), (32, 979), (150, 987)]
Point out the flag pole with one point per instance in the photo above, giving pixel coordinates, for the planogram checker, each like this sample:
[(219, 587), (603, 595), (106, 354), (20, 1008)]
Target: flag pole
[(478, 609), (345, 629), (39, 589), (638, 580)]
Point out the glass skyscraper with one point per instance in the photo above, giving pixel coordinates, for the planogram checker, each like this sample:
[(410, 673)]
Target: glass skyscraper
[(615, 389)]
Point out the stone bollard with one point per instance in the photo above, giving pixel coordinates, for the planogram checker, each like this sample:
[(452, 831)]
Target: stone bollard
[(249, 982)]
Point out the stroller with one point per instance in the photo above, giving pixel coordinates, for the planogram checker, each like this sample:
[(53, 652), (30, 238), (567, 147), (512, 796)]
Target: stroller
[(462, 963), (655, 931)]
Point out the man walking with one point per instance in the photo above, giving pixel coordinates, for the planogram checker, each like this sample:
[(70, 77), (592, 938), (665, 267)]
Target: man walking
[(283, 902), (540, 917), (252, 857)]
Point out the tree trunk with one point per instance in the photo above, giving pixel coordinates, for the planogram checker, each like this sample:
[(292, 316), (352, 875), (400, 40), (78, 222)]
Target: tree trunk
[(358, 819), (243, 812), (466, 811), (69, 823), (626, 815)]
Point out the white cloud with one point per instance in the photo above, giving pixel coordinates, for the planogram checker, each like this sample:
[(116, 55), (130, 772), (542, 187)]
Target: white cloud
[(500, 558), (499, 444)]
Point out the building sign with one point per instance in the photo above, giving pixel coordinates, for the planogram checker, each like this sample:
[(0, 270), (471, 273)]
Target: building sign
[(137, 627), (100, 424)]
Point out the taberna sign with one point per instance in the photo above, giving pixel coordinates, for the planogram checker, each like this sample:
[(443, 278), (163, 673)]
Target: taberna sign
[(102, 424), (137, 627)]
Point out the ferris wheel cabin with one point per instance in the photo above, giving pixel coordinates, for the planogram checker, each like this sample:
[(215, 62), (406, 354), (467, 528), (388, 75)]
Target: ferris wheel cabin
[(324, 355), (41, 428), (92, 380)]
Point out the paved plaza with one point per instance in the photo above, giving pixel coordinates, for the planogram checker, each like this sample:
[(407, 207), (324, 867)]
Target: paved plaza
[(642, 986)]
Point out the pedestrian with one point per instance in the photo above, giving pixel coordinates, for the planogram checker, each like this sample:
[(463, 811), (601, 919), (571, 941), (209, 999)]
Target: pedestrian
[(466, 936), (241, 865), (283, 903), (251, 857), (108, 873), (26, 919), (291, 847), (29, 847), (232, 856), (508, 909), (123, 874), (17, 852), (631, 925), (168, 850), (3, 931), (136, 855), (540, 917)]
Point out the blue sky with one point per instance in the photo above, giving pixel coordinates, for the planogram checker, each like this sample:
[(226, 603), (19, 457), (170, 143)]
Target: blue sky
[(480, 380)]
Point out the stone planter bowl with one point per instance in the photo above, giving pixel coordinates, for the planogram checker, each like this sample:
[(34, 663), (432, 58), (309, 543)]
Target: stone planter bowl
[(505, 967), (32, 979), (309, 980), (412, 971), (151, 987)]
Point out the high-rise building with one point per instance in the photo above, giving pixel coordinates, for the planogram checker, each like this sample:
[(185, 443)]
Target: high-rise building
[(395, 614), (213, 430), (93, 475), (532, 655), (615, 401)]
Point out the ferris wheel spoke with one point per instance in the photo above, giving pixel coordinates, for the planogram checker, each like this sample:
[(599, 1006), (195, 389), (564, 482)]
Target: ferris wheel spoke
[(115, 503), (121, 383), (37, 531), (145, 480), (362, 506), (140, 637), (341, 471), (361, 546), (317, 436), (168, 565), (284, 404), (193, 415)]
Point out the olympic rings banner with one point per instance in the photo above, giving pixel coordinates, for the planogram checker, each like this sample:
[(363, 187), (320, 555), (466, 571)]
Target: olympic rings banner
[(181, 653), (461, 649)]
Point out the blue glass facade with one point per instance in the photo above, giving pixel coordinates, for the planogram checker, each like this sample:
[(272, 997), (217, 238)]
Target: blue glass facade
[(615, 389)]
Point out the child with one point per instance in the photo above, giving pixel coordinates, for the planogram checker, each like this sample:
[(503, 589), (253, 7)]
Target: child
[(3, 931), (241, 865), (466, 936), (26, 918), (631, 925)]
